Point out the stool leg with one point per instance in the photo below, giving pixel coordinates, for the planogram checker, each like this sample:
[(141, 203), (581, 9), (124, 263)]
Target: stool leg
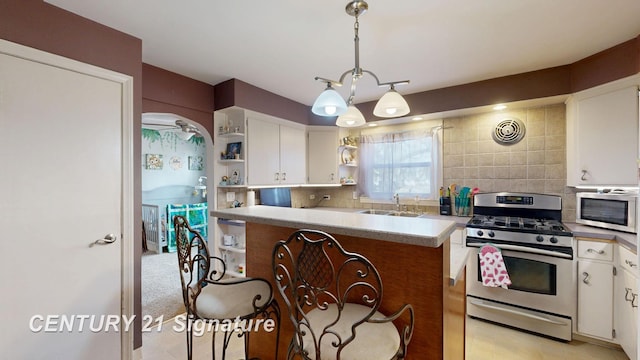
[(189, 338)]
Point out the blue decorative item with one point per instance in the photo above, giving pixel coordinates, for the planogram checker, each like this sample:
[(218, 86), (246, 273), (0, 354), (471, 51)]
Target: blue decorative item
[(197, 216)]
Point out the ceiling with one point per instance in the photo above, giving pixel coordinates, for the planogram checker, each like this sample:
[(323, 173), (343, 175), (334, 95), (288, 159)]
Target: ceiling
[(280, 46)]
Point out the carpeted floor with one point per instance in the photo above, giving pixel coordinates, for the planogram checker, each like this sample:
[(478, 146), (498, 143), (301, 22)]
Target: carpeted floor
[(161, 289)]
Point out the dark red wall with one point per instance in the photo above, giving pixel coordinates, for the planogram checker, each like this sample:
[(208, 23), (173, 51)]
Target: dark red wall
[(165, 91), (611, 64), (530, 85), (42, 26), (235, 92)]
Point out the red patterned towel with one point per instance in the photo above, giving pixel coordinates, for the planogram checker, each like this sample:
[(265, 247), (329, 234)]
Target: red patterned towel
[(494, 273)]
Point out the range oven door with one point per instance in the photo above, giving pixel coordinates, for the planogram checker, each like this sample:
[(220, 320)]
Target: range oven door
[(541, 297)]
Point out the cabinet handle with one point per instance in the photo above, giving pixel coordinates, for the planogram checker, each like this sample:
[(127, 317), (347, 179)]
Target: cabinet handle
[(584, 173), (633, 301), (284, 176), (277, 176), (586, 277), (332, 176), (626, 294), (630, 263), (599, 252)]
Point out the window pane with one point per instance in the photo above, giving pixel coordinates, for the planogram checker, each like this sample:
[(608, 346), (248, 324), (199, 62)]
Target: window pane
[(402, 167)]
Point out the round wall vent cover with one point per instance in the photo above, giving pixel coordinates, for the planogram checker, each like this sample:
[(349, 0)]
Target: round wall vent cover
[(508, 131)]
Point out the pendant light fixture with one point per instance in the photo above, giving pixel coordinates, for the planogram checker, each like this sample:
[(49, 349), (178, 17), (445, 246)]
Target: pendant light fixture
[(330, 103)]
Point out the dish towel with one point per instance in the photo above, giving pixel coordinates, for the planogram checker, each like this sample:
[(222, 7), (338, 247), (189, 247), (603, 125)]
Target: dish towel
[(494, 272)]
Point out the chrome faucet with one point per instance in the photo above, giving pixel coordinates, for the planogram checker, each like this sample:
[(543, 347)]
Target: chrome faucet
[(396, 197)]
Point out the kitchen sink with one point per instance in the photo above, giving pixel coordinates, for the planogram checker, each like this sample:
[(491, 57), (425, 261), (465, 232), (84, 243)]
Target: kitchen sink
[(374, 212), (403, 213), (389, 213)]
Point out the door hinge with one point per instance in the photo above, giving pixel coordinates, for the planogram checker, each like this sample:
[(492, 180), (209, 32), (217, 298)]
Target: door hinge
[(613, 333), (615, 271)]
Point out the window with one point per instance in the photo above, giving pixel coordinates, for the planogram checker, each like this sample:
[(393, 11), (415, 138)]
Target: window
[(403, 163)]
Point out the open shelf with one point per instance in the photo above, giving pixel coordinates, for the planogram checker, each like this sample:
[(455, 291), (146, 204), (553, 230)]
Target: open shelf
[(232, 186), (231, 222), (235, 274), (233, 249), (231, 134)]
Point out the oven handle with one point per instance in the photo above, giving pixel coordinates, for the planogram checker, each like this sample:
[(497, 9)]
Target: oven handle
[(524, 249), (515, 312)]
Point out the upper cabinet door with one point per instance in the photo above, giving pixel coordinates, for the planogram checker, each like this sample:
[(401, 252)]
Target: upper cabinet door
[(263, 152), (293, 155), (323, 156), (277, 154), (602, 139)]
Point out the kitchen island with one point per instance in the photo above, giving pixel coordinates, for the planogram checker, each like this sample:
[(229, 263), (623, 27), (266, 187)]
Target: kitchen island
[(411, 254)]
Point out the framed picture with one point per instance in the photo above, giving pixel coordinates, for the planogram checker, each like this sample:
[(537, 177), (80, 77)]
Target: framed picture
[(236, 178), (154, 162), (176, 163), (233, 150), (196, 162)]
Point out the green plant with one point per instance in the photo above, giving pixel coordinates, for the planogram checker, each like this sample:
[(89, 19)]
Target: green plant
[(151, 135)]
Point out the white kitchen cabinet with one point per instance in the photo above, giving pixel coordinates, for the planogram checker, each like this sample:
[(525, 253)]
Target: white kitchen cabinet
[(602, 135), (293, 155), (276, 153), (595, 289), (322, 155), (626, 302)]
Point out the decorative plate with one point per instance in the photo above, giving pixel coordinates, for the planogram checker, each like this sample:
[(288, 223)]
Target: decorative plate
[(346, 156)]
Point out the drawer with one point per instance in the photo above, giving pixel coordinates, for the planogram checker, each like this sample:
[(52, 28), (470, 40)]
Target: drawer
[(597, 250), (628, 260)]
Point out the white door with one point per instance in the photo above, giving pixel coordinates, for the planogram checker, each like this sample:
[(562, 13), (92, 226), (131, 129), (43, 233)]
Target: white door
[(61, 189)]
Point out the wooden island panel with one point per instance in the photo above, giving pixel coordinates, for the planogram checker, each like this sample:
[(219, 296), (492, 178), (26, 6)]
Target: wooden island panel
[(410, 274)]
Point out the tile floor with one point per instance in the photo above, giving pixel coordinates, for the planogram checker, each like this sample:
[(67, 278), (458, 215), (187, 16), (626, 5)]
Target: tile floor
[(493, 342), (484, 341)]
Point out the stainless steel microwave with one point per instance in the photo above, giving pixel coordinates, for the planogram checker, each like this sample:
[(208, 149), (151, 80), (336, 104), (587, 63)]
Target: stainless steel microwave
[(615, 211)]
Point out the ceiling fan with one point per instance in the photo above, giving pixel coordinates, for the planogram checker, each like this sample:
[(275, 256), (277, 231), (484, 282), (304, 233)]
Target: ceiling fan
[(187, 130), (170, 122)]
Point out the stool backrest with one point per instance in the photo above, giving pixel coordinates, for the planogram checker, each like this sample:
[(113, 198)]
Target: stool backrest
[(313, 272)]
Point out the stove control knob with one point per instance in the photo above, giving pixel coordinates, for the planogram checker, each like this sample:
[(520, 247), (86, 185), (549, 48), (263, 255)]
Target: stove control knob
[(553, 240), (480, 233), (539, 238), (491, 233)]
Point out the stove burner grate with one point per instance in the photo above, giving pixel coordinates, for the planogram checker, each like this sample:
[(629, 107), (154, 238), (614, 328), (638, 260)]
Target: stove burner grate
[(510, 223)]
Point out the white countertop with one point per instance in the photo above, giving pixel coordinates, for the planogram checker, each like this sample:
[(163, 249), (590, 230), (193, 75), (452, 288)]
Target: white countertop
[(405, 230), (630, 241), (459, 256)]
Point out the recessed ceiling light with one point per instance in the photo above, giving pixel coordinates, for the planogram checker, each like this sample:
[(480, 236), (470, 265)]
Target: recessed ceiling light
[(417, 118), (372, 125), (500, 107)]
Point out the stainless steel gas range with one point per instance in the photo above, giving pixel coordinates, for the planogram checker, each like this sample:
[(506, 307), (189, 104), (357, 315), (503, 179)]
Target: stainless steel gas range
[(538, 252)]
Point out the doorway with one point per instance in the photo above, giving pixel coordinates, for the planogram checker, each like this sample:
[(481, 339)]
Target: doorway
[(175, 177)]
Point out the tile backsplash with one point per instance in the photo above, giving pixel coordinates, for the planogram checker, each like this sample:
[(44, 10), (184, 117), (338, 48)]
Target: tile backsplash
[(472, 158), (535, 164)]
